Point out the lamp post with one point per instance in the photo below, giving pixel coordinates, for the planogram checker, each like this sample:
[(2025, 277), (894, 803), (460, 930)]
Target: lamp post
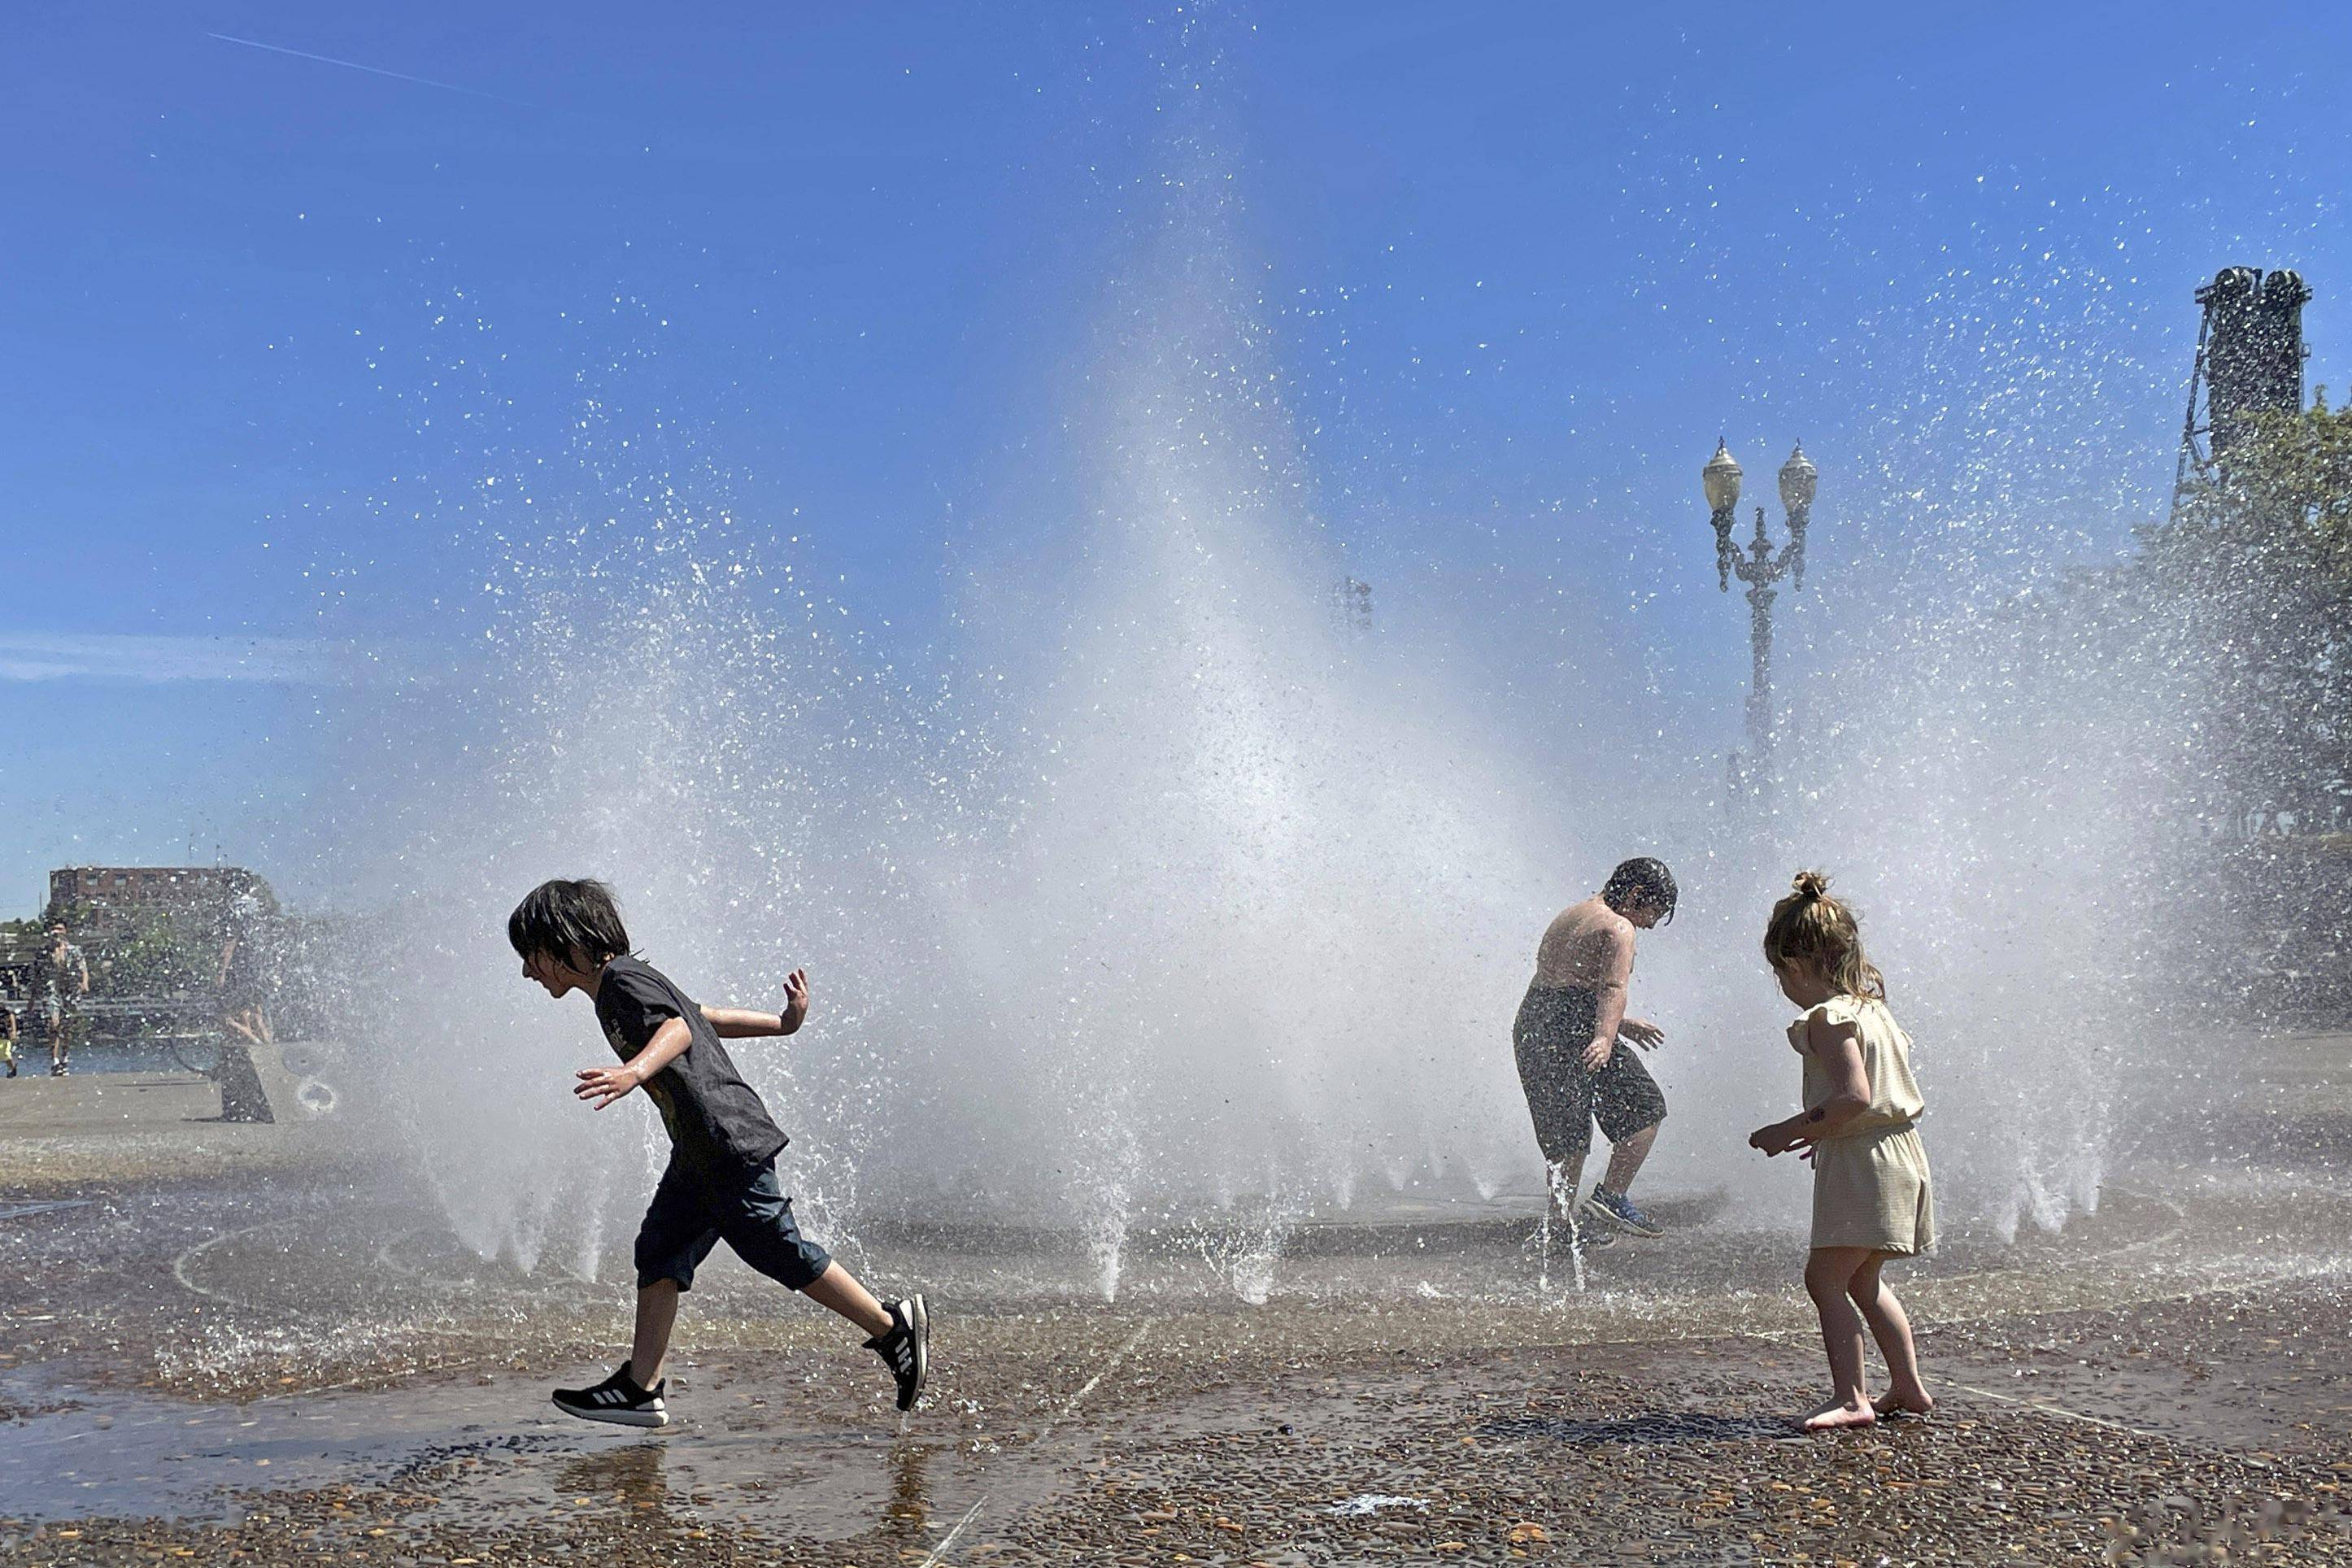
[(1761, 568)]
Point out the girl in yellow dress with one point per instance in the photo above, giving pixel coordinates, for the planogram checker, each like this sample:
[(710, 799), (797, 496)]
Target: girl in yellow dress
[(1873, 1199)]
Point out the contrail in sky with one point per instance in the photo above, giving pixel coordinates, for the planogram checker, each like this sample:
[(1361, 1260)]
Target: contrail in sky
[(147, 659), (372, 71)]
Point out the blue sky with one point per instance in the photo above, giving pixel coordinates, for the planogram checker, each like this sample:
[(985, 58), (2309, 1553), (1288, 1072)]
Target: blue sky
[(1523, 263)]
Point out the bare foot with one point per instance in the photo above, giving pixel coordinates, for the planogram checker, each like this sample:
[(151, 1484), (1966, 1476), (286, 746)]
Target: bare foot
[(1838, 1412), (1917, 1402)]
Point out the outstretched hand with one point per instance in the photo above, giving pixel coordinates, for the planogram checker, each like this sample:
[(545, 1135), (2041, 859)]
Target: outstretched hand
[(1778, 1138), (1642, 1033), (602, 1086), (796, 999)]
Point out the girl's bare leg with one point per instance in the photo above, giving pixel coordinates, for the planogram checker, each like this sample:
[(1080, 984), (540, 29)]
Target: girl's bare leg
[(1827, 1273), (1892, 1329)]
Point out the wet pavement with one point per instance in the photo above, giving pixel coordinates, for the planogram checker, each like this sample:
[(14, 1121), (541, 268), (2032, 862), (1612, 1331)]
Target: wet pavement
[(2169, 1374)]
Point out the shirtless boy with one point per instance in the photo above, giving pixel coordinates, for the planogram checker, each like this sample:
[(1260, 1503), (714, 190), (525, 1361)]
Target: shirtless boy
[(1570, 1039)]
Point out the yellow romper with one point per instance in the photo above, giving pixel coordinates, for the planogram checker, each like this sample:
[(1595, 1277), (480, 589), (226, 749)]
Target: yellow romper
[(1871, 1187)]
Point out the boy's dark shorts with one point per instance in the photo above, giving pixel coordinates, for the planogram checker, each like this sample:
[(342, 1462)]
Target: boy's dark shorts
[(1564, 1100), (690, 1214)]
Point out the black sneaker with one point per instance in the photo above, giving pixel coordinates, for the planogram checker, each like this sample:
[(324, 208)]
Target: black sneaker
[(618, 1399), (906, 1349)]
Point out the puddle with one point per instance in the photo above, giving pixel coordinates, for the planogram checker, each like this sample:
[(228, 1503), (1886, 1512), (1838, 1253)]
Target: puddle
[(479, 1449)]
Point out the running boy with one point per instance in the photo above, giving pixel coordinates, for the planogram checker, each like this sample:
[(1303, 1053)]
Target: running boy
[(1873, 1198), (721, 1180)]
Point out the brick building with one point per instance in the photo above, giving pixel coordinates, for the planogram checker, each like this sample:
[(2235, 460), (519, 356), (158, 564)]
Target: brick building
[(101, 897)]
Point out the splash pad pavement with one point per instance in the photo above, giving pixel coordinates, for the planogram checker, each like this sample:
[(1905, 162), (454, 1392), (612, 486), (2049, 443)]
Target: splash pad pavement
[(224, 1344)]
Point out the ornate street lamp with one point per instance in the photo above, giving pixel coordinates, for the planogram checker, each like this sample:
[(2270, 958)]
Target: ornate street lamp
[(1761, 568)]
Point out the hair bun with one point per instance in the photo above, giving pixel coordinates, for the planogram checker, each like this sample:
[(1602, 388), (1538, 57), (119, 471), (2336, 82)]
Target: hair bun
[(1811, 885)]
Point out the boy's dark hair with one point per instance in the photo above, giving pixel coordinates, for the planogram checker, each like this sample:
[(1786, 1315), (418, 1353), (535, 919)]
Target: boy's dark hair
[(1642, 881), (571, 921)]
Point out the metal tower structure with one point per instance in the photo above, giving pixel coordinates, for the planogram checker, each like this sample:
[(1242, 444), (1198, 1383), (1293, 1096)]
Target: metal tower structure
[(2248, 363)]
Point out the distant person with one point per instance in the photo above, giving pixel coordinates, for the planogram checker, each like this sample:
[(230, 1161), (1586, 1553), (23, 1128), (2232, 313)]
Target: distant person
[(243, 979), (721, 1181), (1873, 1199), (1572, 1064), (61, 980), (8, 1036)]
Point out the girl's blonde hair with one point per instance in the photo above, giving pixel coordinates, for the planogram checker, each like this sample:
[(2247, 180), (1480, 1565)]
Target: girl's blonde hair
[(1810, 927)]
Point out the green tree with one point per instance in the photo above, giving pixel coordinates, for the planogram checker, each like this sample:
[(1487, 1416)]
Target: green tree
[(158, 956), (2248, 589)]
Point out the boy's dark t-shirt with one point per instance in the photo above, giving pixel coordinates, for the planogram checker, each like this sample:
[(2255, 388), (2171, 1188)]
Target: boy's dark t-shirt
[(717, 1126)]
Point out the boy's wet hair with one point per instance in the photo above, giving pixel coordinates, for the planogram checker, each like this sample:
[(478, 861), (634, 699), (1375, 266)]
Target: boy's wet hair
[(569, 921), (1811, 927), (1638, 881)]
